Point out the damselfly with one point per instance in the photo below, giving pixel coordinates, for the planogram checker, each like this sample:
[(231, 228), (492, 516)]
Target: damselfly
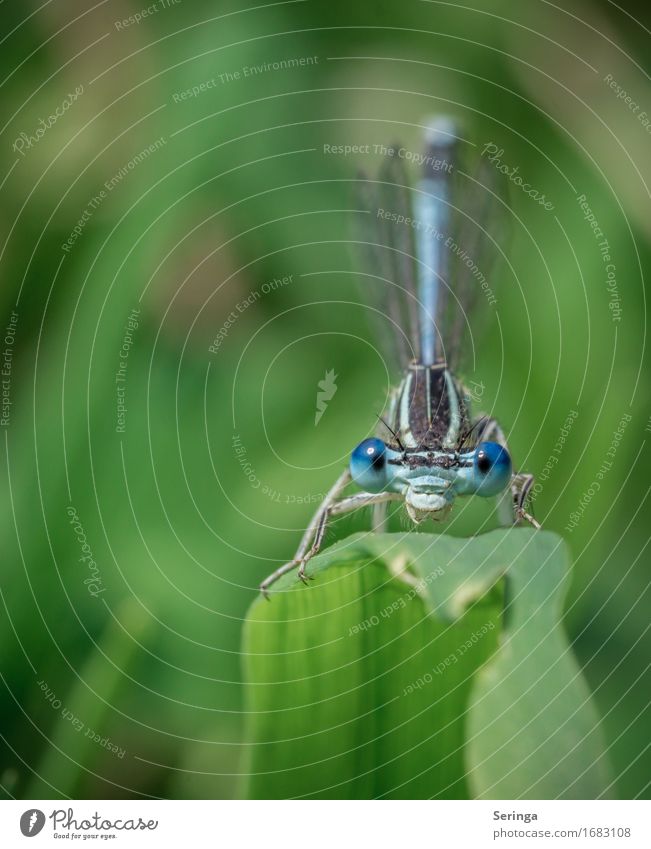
[(428, 449)]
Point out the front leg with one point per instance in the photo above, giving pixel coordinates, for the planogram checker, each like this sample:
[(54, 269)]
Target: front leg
[(511, 510), (346, 505), (340, 484), (520, 487), (313, 536)]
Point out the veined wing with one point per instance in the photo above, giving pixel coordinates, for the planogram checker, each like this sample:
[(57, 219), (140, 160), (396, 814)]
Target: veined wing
[(428, 253), (386, 249), (460, 212), (477, 242)]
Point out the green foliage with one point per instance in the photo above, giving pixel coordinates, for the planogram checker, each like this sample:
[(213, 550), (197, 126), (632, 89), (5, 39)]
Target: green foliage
[(418, 667), (173, 519), (79, 745)]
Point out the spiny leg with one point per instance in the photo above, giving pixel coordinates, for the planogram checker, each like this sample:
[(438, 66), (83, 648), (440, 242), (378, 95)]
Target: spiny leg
[(317, 530), (520, 488), (511, 510), (331, 496), (346, 505), (278, 573)]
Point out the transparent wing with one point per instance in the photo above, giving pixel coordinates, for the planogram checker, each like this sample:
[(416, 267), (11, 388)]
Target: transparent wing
[(477, 245), (388, 242), (385, 248)]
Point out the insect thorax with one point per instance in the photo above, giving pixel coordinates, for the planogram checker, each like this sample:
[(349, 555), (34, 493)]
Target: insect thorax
[(427, 410)]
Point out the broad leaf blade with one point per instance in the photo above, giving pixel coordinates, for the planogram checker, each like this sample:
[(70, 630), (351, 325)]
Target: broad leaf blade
[(344, 697), (360, 686), (533, 731)]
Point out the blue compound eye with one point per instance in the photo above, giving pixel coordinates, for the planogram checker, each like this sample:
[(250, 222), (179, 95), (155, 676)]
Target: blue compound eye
[(492, 466), (368, 465)]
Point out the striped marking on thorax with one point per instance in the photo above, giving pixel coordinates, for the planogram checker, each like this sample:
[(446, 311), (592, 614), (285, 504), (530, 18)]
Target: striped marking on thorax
[(428, 411)]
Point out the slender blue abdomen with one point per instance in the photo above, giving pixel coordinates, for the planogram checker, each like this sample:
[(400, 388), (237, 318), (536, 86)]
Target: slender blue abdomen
[(432, 208)]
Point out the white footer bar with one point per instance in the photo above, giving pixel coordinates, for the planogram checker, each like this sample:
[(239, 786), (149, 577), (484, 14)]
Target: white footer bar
[(326, 824)]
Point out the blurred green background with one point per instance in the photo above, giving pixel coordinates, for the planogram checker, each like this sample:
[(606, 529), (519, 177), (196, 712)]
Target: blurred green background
[(130, 685)]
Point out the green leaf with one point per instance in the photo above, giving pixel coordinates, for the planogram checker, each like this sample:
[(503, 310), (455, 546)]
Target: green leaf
[(533, 731), (419, 666)]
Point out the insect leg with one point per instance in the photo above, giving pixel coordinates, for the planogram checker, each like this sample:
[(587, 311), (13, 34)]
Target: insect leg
[(520, 487), (334, 492), (346, 505)]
